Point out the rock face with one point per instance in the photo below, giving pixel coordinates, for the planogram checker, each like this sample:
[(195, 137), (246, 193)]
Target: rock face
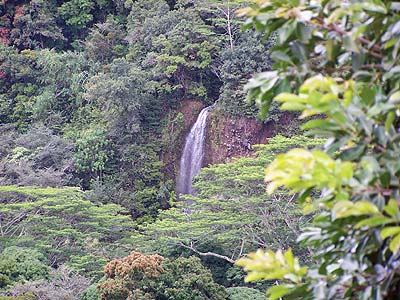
[(233, 136), (227, 136), (175, 133)]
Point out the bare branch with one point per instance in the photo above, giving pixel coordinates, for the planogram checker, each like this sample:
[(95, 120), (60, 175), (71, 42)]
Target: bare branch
[(192, 248)]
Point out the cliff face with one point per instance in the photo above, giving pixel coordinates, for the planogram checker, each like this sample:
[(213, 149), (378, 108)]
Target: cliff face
[(233, 136), (178, 125), (227, 136)]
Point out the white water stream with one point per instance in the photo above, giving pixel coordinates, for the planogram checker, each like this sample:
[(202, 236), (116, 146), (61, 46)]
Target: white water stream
[(193, 153)]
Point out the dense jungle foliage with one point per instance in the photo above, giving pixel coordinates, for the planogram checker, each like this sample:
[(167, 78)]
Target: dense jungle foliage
[(96, 98), (91, 97)]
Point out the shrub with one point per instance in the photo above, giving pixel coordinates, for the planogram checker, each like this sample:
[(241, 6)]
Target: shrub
[(21, 264), (139, 276), (63, 285), (338, 62), (244, 293)]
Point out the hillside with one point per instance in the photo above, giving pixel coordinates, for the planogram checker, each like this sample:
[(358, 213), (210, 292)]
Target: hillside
[(148, 148), (96, 101)]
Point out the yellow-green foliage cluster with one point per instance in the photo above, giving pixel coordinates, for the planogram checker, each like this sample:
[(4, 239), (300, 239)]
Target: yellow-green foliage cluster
[(231, 209), (63, 225)]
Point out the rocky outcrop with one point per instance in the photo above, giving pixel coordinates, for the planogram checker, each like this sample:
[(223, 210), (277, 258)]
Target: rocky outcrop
[(233, 136), (227, 136)]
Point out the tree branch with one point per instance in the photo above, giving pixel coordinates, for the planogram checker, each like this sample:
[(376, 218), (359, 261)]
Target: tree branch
[(192, 248)]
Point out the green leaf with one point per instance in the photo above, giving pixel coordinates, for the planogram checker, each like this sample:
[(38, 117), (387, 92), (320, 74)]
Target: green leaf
[(283, 86), (395, 98), (345, 208), (318, 123), (285, 31), (299, 50), (278, 291), (264, 109), (363, 76), (389, 120), (350, 43), (304, 32), (385, 179), (269, 85), (377, 6), (390, 231), (394, 245), (358, 60), (255, 276), (374, 221), (260, 79), (281, 56), (353, 153), (288, 97), (289, 258), (392, 209)]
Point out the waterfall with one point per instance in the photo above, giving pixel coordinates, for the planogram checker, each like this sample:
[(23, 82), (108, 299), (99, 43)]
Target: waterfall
[(193, 153)]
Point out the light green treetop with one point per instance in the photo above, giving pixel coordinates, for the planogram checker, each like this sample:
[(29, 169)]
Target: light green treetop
[(231, 210), (63, 225)]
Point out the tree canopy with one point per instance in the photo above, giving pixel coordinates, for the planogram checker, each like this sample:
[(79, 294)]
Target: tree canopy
[(63, 225), (97, 97)]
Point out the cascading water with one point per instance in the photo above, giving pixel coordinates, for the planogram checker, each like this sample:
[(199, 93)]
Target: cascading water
[(193, 153)]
